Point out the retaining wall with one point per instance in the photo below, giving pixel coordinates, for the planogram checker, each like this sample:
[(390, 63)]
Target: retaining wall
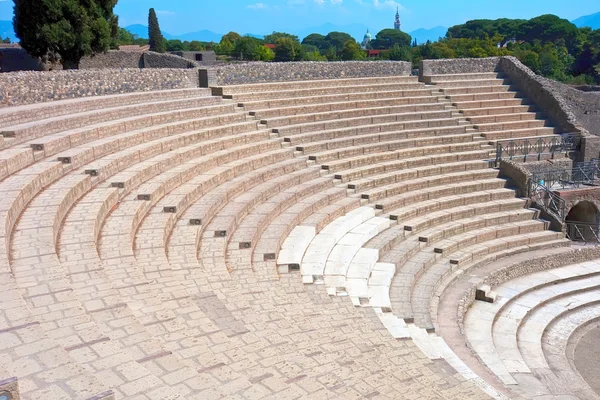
[(18, 88), (129, 59), (257, 72)]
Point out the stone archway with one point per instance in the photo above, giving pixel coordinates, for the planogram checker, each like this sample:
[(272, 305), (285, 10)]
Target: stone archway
[(582, 221)]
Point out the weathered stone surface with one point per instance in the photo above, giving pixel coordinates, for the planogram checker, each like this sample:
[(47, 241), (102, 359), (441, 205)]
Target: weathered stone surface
[(256, 72), (18, 88)]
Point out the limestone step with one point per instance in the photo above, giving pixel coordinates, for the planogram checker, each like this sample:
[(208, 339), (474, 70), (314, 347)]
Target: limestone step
[(294, 100), (479, 92), (501, 118), (461, 77), (519, 134), (31, 112), (505, 126), (496, 110), (326, 83), (369, 132), (39, 128), (266, 114), (469, 83), (378, 115)]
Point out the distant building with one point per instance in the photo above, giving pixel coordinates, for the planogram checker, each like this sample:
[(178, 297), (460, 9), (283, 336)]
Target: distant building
[(366, 40), (397, 21)]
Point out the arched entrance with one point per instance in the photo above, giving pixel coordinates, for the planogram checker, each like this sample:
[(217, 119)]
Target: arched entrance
[(582, 222)]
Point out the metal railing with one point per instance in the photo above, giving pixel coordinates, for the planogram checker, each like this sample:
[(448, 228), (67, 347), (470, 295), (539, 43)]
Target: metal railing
[(547, 200), (583, 232), (538, 146), (584, 173)]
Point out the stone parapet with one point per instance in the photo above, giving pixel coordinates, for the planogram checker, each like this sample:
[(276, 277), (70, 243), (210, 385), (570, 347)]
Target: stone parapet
[(19, 88), (458, 66), (259, 72)]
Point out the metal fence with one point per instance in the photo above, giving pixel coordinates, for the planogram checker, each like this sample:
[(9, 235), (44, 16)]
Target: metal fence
[(583, 232), (582, 174), (547, 200), (538, 146)]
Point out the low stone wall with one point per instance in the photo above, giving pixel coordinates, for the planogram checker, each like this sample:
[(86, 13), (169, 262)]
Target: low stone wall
[(257, 72), (18, 88), (129, 59), (458, 66)]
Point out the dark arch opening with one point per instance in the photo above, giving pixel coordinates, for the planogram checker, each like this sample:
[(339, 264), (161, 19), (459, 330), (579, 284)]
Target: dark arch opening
[(582, 222)]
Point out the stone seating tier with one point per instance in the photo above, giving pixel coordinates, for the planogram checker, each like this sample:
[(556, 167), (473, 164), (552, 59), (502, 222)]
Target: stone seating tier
[(151, 243)]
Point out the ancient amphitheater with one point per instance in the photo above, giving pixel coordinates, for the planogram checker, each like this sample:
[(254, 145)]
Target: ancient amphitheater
[(292, 238)]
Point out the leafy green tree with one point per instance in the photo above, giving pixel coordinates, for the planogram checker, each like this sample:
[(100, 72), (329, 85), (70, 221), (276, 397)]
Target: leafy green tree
[(400, 53), (225, 47), (386, 38), (124, 37), (195, 45), (337, 40), (65, 29), (233, 37), (6, 40), (331, 54), (352, 51), (248, 48), (265, 54), (317, 40), (549, 28), (174, 45), (272, 38), (157, 42), (287, 49)]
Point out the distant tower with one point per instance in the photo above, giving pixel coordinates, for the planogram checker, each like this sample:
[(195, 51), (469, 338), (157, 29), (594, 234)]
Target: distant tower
[(366, 40), (397, 21)]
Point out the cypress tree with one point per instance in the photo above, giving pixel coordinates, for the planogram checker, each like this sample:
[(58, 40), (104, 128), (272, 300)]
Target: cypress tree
[(65, 29), (157, 42)]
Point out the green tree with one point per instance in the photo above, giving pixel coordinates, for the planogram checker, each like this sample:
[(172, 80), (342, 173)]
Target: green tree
[(386, 38), (287, 49), (157, 42), (352, 51), (6, 40), (174, 45), (233, 37), (400, 53), (248, 48), (265, 54), (65, 29), (225, 47), (196, 46), (317, 40), (124, 37), (337, 40), (331, 54), (272, 38)]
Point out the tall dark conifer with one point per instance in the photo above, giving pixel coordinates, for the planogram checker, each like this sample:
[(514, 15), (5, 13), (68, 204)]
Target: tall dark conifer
[(156, 40)]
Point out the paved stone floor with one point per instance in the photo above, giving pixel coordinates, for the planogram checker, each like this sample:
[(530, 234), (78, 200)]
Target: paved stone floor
[(587, 357)]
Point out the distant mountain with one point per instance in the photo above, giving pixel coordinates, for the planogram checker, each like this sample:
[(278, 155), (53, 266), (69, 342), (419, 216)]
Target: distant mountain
[(204, 36), (592, 21), (433, 34), (7, 31)]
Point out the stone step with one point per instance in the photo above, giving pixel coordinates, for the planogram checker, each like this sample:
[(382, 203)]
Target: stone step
[(461, 77), (324, 83), (38, 111)]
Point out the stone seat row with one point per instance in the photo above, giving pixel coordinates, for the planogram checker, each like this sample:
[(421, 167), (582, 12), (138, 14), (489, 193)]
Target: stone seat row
[(42, 127), (518, 337), (38, 111), (325, 83)]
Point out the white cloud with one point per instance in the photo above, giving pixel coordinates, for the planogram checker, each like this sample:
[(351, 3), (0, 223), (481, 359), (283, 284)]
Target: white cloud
[(258, 6), (162, 12), (387, 4)]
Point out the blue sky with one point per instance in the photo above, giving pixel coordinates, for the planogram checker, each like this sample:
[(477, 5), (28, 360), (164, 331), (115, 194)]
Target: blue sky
[(264, 16)]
